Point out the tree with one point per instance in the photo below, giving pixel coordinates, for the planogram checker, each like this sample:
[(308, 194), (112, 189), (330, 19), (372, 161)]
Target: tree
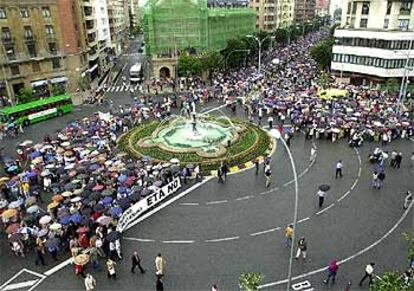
[(337, 14), (392, 85), (322, 52), (390, 281), (281, 35), (250, 281), (324, 80), (25, 95), (211, 61), (189, 65)]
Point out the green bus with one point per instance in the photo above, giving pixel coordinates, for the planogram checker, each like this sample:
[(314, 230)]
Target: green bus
[(38, 110)]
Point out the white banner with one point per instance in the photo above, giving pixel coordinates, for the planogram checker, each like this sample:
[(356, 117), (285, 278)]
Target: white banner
[(42, 113), (138, 208)]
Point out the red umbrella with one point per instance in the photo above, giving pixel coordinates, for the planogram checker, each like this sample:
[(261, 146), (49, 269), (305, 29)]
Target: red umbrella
[(83, 229), (12, 228), (97, 187)]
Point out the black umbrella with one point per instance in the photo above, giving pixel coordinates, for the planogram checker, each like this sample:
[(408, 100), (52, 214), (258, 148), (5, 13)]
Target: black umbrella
[(112, 236), (86, 193), (70, 187), (135, 197), (145, 192), (53, 243), (324, 187), (98, 207), (107, 192), (124, 203)]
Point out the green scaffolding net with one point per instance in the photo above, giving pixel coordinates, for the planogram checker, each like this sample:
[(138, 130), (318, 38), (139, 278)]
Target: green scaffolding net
[(172, 26)]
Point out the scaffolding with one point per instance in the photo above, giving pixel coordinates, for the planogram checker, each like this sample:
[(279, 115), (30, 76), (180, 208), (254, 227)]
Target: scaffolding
[(172, 26)]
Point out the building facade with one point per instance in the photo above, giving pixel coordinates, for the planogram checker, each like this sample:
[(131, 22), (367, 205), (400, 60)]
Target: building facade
[(42, 46), (322, 7), (305, 10), (273, 14), (375, 41), (134, 13), (103, 32), (173, 27), (118, 14)]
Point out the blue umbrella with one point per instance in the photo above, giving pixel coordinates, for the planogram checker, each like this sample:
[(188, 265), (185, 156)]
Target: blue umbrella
[(122, 178), (65, 220), (116, 211), (107, 200), (11, 183), (12, 168), (94, 167), (31, 174), (122, 190), (76, 218), (35, 154)]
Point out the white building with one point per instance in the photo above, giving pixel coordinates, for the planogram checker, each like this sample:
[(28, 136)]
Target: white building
[(102, 27), (375, 41), (273, 14)]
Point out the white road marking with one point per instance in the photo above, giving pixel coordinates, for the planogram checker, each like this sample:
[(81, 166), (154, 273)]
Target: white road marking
[(303, 219), (117, 88), (11, 279), (265, 231), (343, 196), (325, 209), (244, 198), (216, 202), (190, 204), (222, 239), (361, 252), (20, 285), (178, 241), (139, 239)]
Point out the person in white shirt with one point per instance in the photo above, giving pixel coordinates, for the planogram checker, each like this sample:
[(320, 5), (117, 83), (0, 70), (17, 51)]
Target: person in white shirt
[(369, 272), (90, 283), (159, 265), (338, 170)]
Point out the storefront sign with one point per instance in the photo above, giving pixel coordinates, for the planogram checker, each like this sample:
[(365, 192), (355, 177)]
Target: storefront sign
[(42, 113), (141, 206)]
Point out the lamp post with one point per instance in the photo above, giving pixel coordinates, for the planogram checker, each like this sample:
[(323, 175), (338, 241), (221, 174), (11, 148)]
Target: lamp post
[(260, 42), (227, 57), (277, 135)]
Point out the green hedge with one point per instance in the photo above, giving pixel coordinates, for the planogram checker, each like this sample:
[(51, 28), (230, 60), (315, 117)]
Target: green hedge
[(253, 142)]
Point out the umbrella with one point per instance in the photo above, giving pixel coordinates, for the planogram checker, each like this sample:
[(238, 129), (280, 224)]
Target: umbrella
[(81, 259), (58, 198), (33, 209), (324, 187), (158, 183), (25, 230), (35, 154), (52, 243), (12, 228), (83, 229), (112, 236), (97, 187), (107, 200), (30, 201), (15, 237), (55, 226), (26, 143), (76, 199), (98, 207), (104, 220), (107, 192), (9, 213), (52, 205), (76, 218), (3, 203), (42, 232), (45, 219), (122, 178), (175, 161), (65, 220), (145, 192), (67, 194), (70, 187), (116, 211), (16, 204), (125, 203)]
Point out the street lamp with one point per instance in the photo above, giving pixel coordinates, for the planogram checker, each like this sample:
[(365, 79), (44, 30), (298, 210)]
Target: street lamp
[(277, 135), (260, 42)]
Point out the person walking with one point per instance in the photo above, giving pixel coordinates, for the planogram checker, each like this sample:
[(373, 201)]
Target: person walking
[(159, 285), (159, 265), (332, 270), (268, 175), (110, 269), (375, 180), (369, 272), (39, 256), (224, 168), (398, 160), (321, 197), (412, 160), (288, 235), (136, 262), (214, 287), (407, 200), (90, 282), (256, 166), (302, 248), (270, 122), (312, 158), (338, 169)]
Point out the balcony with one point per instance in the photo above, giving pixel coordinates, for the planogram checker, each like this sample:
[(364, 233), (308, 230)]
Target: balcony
[(87, 3), (30, 39), (51, 37), (8, 40), (93, 55), (405, 12)]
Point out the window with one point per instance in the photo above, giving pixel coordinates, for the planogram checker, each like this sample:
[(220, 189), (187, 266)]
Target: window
[(28, 32), (3, 14), (52, 48), (403, 24), (24, 13), (56, 63), (405, 8), (45, 12), (15, 70), (36, 67), (386, 23), (5, 34), (389, 6), (348, 11), (365, 8), (31, 48), (354, 8), (363, 23), (49, 30), (9, 50)]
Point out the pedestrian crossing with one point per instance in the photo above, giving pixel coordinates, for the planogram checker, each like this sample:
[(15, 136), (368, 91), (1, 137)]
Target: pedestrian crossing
[(123, 88)]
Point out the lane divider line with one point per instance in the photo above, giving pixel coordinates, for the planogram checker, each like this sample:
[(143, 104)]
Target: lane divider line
[(265, 231), (222, 239), (190, 204), (303, 219), (178, 241), (216, 202), (325, 209), (244, 198), (139, 239)]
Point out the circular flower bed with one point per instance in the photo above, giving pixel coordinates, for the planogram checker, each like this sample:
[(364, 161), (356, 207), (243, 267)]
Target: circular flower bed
[(251, 143)]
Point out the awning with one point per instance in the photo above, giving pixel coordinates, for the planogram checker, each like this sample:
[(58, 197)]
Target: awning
[(58, 80), (93, 68), (39, 83)]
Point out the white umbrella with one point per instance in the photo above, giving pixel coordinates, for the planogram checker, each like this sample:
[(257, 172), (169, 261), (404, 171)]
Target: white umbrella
[(175, 161), (45, 219), (76, 199), (55, 226)]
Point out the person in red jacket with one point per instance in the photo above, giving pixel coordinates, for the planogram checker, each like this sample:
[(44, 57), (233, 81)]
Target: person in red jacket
[(332, 270)]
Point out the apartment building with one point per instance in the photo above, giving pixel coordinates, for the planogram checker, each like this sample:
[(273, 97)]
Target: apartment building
[(375, 41), (134, 13), (322, 7), (305, 10), (42, 46), (273, 14), (118, 24), (103, 32)]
